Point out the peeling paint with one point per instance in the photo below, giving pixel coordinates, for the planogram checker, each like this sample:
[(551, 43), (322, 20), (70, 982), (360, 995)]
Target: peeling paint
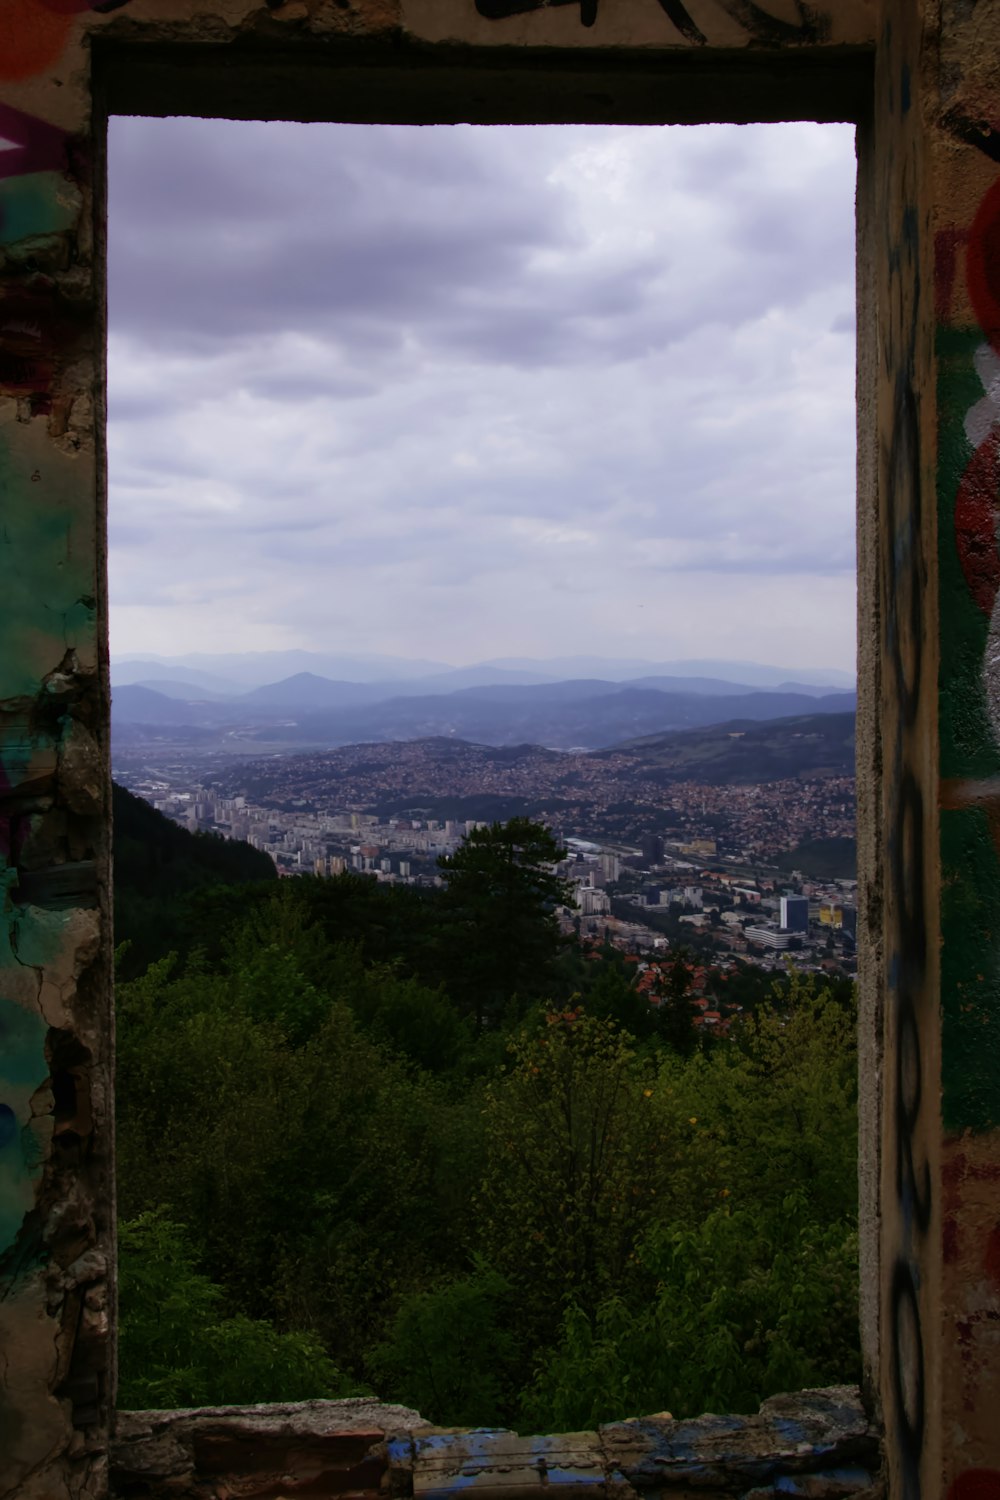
[(23, 1071), (46, 558)]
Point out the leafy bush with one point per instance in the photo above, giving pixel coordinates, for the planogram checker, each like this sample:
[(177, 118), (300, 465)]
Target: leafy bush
[(177, 1345), (451, 1352)]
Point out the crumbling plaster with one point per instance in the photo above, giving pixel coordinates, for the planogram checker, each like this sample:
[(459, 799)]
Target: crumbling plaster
[(922, 78)]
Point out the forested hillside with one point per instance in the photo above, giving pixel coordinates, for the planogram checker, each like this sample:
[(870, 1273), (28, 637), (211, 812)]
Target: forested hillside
[(412, 1142), (157, 867)]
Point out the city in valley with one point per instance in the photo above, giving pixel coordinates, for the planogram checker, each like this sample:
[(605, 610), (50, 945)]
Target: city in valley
[(728, 873)]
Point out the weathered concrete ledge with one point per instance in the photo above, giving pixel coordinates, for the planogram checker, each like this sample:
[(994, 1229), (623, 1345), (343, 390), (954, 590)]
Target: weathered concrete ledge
[(812, 1445), (300, 1449)]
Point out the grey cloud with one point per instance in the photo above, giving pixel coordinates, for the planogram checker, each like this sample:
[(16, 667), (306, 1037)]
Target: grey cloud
[(374, 389), (350, 245)]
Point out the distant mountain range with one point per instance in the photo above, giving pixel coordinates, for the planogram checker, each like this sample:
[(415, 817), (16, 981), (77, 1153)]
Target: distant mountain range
[(309, 710), (232, 673)]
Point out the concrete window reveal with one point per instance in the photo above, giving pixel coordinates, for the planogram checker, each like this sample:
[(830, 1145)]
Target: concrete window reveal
[(920, 79)]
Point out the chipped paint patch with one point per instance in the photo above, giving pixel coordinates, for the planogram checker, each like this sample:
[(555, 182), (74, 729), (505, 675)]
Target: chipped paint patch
[(24, 1070), (46, 558)]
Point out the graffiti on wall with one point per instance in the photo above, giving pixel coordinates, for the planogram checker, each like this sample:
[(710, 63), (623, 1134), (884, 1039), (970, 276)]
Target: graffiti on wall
[(907, 934), (37, 195), (967, 275), (23, 1071), (967, 334), (908, 1203), (967, 303), (34, 33), (755, 19), (47, 631)]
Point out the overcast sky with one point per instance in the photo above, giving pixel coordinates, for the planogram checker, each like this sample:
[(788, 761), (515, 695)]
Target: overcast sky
[(463, 393)]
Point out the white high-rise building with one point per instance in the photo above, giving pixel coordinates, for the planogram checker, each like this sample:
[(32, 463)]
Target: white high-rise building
[(591, 902)]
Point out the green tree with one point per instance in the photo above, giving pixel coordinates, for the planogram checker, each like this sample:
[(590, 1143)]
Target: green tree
[(677, 1026), (180, 1347), (451, 1353), (322, 1176), (499, 929), (577, 1155), (745, 1304), (745, 1282)]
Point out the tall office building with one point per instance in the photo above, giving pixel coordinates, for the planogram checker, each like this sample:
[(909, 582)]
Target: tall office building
[(652, 849), (795, 913)]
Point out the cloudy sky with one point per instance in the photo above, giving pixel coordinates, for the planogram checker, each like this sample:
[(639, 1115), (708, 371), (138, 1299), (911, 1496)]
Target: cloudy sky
[(463, 393)]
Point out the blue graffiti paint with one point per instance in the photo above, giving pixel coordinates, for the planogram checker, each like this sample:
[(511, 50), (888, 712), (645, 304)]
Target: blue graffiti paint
[(806, 1484), (577, 1477), (789, 1431)]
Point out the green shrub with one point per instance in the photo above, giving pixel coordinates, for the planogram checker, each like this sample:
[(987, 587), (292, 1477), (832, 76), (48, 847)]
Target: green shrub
[(179, 1348)]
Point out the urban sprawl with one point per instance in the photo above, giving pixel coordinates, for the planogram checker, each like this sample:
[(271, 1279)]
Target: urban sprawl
[(655, 867)]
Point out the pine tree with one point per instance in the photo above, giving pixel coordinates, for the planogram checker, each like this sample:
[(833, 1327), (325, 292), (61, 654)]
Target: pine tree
[(499, 922)]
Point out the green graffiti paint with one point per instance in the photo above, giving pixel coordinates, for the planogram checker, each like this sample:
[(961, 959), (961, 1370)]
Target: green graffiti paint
[(30, 936), (23, 1071), (46, 558), (37, 204), (970, 974), (969, 754)]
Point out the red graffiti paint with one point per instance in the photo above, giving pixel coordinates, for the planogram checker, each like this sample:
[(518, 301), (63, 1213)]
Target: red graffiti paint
[(33, 33), (976, 506), (975, 1484), (68, 7), (32, 37), (983, 265)]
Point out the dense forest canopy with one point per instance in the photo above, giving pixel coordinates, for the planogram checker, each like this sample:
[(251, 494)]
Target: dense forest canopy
[(413, 1142)]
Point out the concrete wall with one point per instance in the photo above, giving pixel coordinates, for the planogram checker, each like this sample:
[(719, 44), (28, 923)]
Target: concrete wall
[(963, 211), (56, 1182), (921, 76)]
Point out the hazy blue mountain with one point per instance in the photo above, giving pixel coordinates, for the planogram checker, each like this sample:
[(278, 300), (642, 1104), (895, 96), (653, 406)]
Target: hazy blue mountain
[(306, 709), (814, 689), (588, 723), (306, 692), (715, 686), (482, 675), (234, 672), (143, 705), (748, 673), (756, 674), (189, 692), (573, 691), (146, 670), (251, 669)]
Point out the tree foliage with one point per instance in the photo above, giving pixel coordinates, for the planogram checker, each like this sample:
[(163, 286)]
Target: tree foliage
[(499, 924), (372, 1137), (180, 1347)]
